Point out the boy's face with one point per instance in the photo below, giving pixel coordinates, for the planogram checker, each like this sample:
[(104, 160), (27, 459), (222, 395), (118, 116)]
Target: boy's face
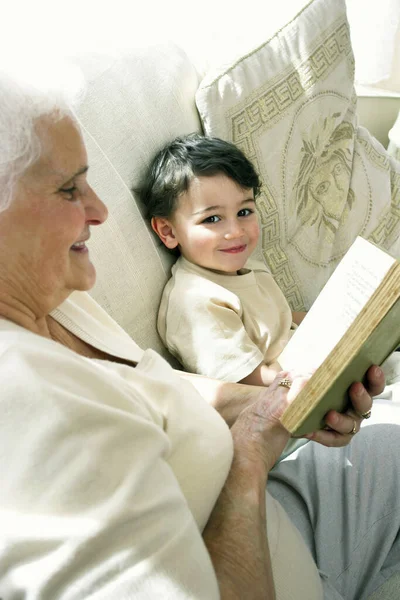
[(215, 224)]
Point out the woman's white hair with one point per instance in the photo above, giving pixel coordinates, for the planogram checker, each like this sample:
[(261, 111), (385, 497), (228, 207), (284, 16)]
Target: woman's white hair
[(27, 92)]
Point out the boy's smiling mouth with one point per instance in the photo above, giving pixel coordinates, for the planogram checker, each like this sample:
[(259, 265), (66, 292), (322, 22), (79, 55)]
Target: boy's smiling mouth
[(234, 249)]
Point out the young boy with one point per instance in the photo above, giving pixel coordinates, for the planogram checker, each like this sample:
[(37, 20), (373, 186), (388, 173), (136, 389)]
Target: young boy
[(221, 313)]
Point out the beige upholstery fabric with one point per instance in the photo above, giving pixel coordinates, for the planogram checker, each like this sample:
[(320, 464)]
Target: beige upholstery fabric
[(394, 139), (134, 104), (290, 105)]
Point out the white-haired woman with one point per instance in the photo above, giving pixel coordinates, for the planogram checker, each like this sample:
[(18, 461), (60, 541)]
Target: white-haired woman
[(117, 479)]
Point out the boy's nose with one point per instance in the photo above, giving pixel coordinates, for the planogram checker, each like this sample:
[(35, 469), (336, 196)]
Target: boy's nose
[(234, 230)]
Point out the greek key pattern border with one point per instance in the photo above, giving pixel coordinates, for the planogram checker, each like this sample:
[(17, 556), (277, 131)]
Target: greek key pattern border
[(379, 160), (261, 110), (388, 228), (268, 103)]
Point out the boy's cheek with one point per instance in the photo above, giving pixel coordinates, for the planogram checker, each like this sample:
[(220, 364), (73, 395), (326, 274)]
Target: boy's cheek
[(256, 230)]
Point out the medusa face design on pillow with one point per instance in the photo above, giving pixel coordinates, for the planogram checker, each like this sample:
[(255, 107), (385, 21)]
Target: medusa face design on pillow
[(323, 197)]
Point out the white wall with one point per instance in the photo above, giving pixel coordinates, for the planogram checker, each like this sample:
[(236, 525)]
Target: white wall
[(207, 28), (211, 31), (378, 114)]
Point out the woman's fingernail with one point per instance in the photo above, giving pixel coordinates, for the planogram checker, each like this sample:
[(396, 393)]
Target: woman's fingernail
[(359, 390)]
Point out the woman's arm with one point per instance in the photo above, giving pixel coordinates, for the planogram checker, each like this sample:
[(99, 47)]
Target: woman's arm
[(230, 399), (262, 375), (236, 531), (236, 535)]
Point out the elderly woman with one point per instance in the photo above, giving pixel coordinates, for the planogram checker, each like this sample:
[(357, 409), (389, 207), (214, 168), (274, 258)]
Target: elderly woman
[(117, 479)]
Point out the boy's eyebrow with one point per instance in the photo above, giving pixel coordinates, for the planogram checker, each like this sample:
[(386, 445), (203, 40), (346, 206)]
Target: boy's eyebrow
[(204, 210), (208, 208)]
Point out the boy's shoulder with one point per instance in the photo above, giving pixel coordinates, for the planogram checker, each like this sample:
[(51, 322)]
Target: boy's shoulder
[(187, 271), (191, 285), (257, 266), (189, 277), (183, 267)]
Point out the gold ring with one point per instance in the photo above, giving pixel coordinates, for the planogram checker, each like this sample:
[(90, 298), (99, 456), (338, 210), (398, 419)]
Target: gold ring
[(285, 383), (366, 415), (354, 430)]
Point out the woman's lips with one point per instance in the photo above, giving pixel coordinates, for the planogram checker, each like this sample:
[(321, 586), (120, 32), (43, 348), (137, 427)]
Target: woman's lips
[(79, 247), (234, 250)]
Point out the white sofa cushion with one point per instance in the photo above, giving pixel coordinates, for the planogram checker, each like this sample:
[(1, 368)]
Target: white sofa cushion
[(135, 103), (290, 105)]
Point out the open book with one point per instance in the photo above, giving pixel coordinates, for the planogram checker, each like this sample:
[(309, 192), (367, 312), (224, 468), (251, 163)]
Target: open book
[(353, 324)]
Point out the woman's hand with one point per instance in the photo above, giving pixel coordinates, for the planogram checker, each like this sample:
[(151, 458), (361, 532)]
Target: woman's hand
[(240, 555), (235, 534), (342, 427), (258, 433)]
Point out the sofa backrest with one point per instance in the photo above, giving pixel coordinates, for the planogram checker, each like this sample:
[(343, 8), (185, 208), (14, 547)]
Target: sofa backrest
[(135, 103)]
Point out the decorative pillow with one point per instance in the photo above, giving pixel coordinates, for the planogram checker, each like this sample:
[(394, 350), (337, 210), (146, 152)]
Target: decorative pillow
[(290, 105)]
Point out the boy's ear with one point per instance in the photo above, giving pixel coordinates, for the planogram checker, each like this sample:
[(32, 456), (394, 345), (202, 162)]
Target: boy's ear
[(165, 231)]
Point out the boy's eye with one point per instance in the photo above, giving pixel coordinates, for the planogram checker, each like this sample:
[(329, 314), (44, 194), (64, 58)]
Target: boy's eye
[(212, 219), (245, 212)]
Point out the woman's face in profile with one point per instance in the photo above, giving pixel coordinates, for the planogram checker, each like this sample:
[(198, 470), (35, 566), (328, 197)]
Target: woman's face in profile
[(46, 227)]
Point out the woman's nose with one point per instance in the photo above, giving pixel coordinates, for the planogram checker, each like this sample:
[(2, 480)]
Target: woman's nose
[(96, 210)]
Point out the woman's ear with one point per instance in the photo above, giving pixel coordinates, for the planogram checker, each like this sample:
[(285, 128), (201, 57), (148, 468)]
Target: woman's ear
[(165, 231)]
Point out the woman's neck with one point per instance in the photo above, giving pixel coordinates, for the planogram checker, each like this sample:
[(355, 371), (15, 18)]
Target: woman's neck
[(26, 306), (24, 317)]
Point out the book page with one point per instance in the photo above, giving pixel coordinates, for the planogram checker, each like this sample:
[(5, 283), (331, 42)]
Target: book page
[(349, 288)]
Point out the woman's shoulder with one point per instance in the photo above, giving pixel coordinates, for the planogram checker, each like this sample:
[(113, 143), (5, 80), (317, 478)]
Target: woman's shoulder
[(42, 377), (16, 341)]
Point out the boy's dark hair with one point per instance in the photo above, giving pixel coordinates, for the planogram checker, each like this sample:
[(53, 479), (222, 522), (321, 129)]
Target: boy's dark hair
[(174, 167)]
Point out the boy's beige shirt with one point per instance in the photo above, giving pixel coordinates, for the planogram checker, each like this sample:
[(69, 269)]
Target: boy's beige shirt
[(223, 326)]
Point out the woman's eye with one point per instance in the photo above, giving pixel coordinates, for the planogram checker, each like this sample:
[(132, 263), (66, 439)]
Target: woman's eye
[(69, 191), (245, 212), (212, 219)]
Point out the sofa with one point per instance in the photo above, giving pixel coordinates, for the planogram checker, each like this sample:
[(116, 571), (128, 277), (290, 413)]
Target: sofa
[(290, 105)]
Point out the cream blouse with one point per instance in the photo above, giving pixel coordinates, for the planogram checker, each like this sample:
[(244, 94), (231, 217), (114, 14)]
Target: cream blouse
[(109, 473)]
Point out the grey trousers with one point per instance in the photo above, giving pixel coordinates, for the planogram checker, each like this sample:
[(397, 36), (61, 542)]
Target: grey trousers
[(346, 504)]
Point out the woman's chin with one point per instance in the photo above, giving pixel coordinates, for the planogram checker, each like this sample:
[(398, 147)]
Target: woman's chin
[(86, 280)]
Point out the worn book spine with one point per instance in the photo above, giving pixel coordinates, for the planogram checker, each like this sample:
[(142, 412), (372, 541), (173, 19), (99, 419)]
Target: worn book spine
[(371, 338)]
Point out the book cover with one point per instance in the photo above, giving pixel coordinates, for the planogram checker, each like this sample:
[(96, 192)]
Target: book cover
[(354, 323)]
